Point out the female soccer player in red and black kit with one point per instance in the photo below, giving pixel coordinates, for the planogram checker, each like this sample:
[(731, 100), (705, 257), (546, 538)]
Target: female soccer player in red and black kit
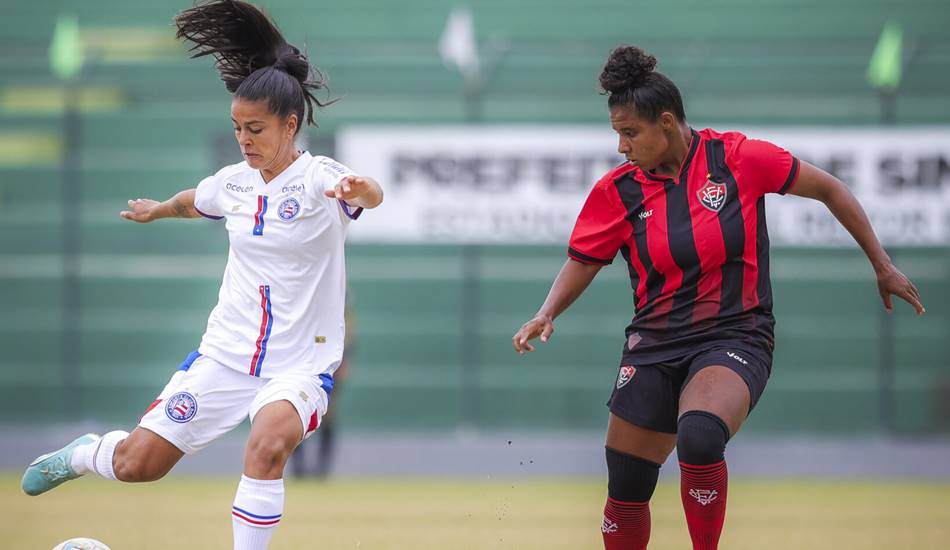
[(687, 212)]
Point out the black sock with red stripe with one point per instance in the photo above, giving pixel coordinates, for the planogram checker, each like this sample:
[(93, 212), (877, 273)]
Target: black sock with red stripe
[(700, 446), (631, 481)]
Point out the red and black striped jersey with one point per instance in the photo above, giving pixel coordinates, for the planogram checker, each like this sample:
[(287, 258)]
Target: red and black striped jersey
[(696, 246)]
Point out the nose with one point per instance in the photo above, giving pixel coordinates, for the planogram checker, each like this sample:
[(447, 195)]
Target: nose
[(623, 147)]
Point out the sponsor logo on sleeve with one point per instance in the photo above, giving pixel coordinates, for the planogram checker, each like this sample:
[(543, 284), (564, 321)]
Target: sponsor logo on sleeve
[(334, 166)]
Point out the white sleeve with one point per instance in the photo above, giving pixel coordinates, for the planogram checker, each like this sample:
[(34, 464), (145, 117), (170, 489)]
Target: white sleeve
[(327, 173), (207, 198)]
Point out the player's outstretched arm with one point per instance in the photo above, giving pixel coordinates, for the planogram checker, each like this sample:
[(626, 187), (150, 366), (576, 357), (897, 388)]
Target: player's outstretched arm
[(182, 205), (359, 191), (815, 183), (570, 283)]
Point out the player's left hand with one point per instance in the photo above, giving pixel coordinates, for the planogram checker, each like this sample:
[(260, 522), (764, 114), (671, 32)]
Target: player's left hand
[(349, 188), (890, 280)]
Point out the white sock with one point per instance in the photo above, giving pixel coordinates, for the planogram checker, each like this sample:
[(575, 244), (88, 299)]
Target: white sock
[(97, 456), (258, 507), (78, 462)]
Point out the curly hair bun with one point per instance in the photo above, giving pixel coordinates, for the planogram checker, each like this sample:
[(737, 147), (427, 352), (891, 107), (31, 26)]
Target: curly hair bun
[(627, 67)]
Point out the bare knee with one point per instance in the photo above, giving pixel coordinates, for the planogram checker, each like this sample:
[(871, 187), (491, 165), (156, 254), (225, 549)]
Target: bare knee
[(266, 457), (133, 464)]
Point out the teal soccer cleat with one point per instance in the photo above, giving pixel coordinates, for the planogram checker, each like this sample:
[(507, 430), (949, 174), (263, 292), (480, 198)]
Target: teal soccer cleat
[(52, 469)]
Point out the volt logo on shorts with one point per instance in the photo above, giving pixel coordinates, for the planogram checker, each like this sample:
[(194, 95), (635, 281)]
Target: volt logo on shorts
[(737, 358), (626, 373), (181, 407)]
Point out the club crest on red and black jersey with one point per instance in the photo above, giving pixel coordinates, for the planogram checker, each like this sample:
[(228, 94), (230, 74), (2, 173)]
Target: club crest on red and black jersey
[(712, 195)]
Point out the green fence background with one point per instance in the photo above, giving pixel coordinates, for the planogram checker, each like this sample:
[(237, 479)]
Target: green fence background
[(150, 122)]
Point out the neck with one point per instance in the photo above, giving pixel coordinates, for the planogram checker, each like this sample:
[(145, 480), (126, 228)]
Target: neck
[(271, 172), (679, 148)]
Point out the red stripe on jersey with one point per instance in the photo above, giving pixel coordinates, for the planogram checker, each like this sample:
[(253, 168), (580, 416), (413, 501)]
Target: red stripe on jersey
[(750, 277), (658, 245)]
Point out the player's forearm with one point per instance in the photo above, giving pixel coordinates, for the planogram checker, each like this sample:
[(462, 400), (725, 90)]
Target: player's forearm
[(570, 283), (182, 205), (371, 198), (848, 211)]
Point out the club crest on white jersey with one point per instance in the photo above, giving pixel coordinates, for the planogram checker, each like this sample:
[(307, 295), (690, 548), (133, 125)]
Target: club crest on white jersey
[(288, 209)]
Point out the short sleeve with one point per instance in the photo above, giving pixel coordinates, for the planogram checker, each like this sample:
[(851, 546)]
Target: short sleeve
[(208, 198), (326, 174), (766, 166), (601, 227)]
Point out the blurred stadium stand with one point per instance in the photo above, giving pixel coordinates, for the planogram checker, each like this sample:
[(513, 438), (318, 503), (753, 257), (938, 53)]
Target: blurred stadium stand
[(154, 122)]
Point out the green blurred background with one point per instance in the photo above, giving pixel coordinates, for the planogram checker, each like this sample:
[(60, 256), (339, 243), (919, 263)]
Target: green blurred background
[(98, 312)]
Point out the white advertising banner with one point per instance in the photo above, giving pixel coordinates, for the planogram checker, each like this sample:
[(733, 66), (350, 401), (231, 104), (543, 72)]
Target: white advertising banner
[(526, 184)]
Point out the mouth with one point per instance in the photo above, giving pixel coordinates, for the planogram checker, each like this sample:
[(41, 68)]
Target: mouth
[(251, 155)]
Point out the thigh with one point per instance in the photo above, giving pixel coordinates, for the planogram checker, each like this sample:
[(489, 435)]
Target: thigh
[(200, 404), (640, 442), (646, 396), (727, 382), (275, 425), (307, 395), (720, 391)]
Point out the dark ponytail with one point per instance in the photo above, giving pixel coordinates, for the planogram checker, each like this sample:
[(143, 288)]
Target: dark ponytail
[(254, 60), (629, 79)]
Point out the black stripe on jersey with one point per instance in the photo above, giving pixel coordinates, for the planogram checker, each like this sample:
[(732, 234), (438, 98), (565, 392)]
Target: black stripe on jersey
[(764, 284), (790, 178), (631, 194), (679, 234), (586, 258), (732, 226)]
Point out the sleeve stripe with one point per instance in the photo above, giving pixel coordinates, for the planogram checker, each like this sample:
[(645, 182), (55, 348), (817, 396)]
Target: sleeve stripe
[(792, 176), (586, 259), (209, 216), (352, 214)]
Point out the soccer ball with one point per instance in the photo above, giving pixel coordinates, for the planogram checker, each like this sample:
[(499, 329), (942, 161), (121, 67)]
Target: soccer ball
[(81, 543)]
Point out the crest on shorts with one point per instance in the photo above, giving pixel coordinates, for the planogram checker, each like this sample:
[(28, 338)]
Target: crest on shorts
[(288, 209), (181, 407), (626, 373), (712, 195)]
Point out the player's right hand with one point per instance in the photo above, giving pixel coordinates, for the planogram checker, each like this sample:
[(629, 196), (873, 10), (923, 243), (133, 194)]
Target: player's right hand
[(140, 210), (541, 325)]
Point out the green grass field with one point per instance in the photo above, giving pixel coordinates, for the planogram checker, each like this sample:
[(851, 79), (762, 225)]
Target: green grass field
[(185, 512)]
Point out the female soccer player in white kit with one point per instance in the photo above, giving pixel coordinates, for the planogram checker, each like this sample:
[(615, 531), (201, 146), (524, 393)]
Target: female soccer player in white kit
[(275, 336)]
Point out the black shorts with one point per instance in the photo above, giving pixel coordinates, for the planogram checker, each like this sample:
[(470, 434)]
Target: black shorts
[(648, 395)]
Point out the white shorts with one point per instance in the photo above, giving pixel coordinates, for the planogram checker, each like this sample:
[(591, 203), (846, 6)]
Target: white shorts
[(205, 399)]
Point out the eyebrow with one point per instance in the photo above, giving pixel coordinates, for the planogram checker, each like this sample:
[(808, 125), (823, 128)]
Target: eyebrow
[(249, 122)]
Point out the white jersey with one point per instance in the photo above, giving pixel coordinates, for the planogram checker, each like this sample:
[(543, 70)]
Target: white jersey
[(280, 307)]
